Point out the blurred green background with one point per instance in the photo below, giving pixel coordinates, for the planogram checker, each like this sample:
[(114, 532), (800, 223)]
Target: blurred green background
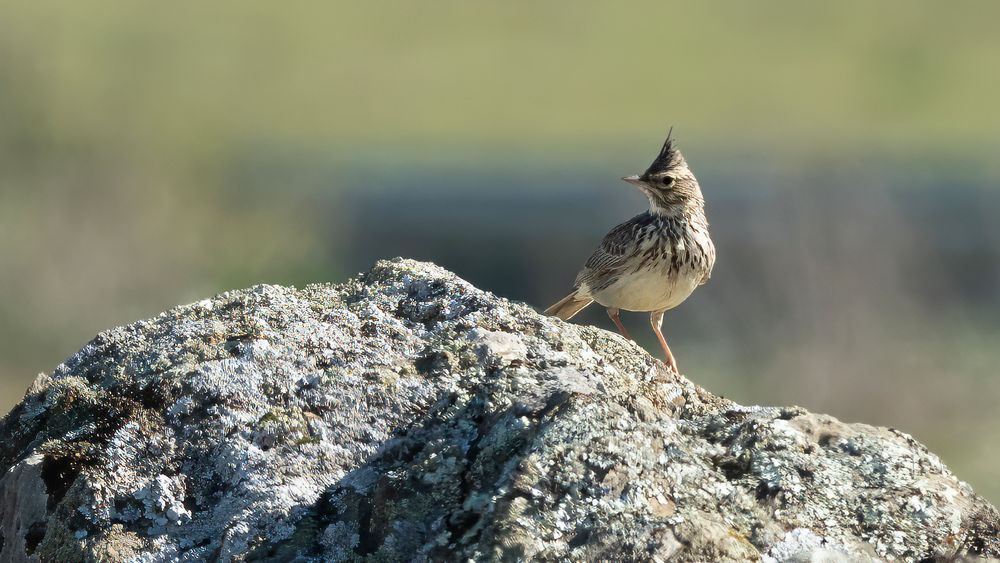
[(153, 154)]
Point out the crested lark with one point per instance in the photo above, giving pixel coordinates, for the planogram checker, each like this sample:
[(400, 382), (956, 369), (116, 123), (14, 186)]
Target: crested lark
[(655, 260)]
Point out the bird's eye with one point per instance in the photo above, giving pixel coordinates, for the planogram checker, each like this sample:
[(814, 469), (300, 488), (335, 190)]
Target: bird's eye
[(667, 180)]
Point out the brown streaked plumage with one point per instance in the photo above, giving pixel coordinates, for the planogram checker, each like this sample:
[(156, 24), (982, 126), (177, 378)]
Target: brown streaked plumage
[(654, 261)]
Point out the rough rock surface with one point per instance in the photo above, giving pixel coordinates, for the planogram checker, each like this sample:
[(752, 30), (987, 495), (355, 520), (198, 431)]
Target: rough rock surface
[(407, 415)]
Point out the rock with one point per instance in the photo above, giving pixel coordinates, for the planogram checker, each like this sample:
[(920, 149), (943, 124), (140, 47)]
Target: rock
[(407, 415)]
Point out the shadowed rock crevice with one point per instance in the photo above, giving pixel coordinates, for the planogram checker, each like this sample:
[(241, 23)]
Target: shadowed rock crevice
[(406, 415), (58, 474)]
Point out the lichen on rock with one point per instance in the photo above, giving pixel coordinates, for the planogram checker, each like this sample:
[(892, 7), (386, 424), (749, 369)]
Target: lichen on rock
[(406, 415)]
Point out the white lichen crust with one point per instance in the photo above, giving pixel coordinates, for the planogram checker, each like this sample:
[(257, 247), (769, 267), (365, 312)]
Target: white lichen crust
[(408, 416)]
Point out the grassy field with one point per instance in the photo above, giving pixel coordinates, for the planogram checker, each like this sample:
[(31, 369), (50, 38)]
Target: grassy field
[(191, 79)]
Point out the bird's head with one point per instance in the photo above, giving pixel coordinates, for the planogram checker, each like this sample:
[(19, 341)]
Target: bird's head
[(668, 182)]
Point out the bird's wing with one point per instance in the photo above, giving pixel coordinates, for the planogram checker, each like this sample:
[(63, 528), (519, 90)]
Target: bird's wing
[(708, 249), (618, 251)]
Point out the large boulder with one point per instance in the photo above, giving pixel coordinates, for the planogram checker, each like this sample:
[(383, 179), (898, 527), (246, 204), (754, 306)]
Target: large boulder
[(406, 415)]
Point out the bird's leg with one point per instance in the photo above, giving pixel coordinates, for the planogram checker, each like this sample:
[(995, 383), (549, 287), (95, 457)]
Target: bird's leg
[(656, 319), (615, 315)]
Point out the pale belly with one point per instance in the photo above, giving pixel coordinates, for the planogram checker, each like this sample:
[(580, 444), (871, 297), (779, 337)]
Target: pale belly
[(649, 290)]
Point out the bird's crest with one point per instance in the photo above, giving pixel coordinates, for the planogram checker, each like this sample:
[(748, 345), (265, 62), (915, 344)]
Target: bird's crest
[(670, 157)]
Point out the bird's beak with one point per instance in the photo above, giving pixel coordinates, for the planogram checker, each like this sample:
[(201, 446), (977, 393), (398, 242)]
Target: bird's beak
[(633, 179)]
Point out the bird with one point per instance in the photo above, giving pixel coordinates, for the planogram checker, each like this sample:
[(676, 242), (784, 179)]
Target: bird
[(655, 260)]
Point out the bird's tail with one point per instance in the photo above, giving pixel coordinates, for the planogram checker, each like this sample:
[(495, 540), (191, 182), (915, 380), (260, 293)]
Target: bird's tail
[(568, 306)]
